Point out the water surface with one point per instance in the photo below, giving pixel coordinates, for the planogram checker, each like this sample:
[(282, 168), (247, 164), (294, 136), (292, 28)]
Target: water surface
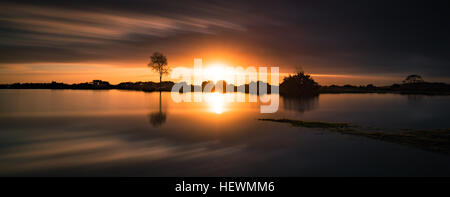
[(132, 133)]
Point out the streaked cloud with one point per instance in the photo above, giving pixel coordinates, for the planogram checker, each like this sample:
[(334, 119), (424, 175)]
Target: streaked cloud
[(323, 38), (45, 26)]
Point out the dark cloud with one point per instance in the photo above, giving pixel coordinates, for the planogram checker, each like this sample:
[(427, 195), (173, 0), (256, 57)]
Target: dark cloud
[(324, 36)]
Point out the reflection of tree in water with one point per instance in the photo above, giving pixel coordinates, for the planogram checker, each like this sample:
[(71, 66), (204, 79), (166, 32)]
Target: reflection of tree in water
[(157, 118), (300, 104), (415, 98)]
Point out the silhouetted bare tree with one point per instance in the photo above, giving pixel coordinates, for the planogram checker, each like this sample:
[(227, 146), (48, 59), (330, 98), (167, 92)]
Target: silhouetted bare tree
[(158, 63)]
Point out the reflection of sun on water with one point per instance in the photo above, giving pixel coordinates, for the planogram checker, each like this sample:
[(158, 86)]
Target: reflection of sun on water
[(216, 72), (216, 102)]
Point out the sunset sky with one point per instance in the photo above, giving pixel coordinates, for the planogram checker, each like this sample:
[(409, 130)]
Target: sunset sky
[(338, 43)]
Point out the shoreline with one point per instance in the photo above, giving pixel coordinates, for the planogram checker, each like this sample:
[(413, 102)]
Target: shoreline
[(320, 92), (431, 89)]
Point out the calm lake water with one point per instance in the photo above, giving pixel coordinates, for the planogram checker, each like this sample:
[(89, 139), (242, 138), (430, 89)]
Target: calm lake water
[(128, 133)]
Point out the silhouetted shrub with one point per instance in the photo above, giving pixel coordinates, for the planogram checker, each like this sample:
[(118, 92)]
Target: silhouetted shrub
[(412, 79), (299, 85)]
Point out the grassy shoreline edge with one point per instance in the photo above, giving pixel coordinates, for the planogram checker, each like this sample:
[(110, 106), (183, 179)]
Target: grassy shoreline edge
[(436, 140)]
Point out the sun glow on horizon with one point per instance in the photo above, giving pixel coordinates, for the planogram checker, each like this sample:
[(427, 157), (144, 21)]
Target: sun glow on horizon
[(218, 71), (46, 72)]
